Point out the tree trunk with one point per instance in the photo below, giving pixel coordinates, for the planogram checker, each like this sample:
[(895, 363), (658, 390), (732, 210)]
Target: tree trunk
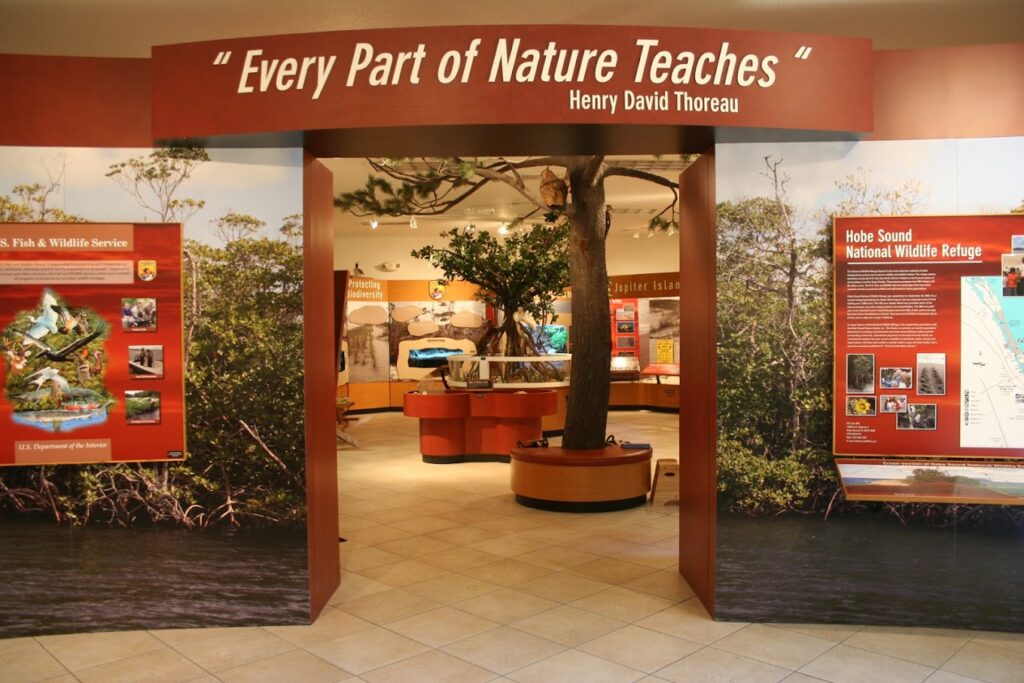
[(587, 412)]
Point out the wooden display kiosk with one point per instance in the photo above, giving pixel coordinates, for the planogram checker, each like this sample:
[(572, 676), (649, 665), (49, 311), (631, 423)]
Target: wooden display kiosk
[(466, 426)]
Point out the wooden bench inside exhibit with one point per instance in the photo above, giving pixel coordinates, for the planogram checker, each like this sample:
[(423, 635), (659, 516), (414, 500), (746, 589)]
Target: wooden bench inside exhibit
[(610, 478)]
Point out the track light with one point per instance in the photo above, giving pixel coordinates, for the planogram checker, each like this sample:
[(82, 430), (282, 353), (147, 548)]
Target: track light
[(503, 229), (636, 234), (374, 223), (671, 230), (650, 233), (412, 222)]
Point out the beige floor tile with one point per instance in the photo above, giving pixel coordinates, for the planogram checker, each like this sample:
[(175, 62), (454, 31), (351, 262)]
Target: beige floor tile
[(690, 621), (550, 534), (235, 648), (506, 605), (834, 633), (356, 586), (82, 650), (12, 644), (639, 648), (358, 559), (504, 649), (556, 557), (391, 605), (509, 546), (714, 666), (424, 525), (1010, 641), (845, 664), (610, 571), (442, 626), (506, 572), (392, 515), (349, 523), (650, 556), (68, 678), (331, 624), (29, 664), (463, 535), (567, 625), (403, 572), (451, 588), (415, 546), (297, 665), (562, 587), (429, 666), (459, 559), (509, 524), (927, 646), (665, 583), (798, 677), (987, 662), (787, 649), (573, 665), (360, 508), (622, 604), (158, 666), (378, 535), (176, 637), (948, 677), (366, 650)]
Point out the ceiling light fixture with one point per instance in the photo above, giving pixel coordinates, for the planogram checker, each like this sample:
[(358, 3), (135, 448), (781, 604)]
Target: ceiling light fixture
[(650, 233), (412, 222), (636, 234), (671, 230), (503, 229), (374, 223)]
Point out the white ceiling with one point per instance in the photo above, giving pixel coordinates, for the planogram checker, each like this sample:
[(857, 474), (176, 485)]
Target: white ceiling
[(127, 28), (633, 202)]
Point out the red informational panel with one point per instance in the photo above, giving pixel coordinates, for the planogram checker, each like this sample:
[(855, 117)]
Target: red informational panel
[(625, 327), (91, 334), (929, 337)]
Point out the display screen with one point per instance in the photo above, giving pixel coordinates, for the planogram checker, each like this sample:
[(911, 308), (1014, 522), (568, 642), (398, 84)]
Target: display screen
[(433, 357), (551, 338)]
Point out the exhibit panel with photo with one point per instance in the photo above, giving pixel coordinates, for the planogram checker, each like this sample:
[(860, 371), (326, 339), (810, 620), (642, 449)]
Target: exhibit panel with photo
[(177, 331), (914, 383)]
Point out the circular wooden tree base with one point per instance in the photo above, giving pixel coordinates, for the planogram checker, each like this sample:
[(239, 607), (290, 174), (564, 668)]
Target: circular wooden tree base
[(611, 478)]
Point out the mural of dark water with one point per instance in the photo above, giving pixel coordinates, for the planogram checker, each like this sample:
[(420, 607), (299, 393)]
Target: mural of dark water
[(61, 580), (866, 571)]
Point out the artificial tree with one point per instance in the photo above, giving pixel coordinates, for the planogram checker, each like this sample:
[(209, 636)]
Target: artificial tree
[(434, 186), (519, 275)]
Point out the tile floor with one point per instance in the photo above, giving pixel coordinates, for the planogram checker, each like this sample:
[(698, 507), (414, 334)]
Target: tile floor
[(447, 579)]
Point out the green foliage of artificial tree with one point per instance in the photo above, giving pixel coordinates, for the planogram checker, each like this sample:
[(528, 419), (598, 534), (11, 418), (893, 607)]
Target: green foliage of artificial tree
[(520, 274)]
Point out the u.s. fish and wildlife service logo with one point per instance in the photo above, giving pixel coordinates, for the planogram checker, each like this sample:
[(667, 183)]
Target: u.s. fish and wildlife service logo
[(435, 288), (147, 270)]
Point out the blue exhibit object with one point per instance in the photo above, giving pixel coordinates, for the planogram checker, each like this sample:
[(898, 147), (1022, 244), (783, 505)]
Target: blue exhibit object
[(433, 357)]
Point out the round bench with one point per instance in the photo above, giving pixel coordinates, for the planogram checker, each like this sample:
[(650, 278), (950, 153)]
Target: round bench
[(610, 478)]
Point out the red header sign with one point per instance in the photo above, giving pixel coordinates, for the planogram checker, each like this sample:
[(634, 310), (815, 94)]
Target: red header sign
[(929, 336), (512, 75), (91, 338)]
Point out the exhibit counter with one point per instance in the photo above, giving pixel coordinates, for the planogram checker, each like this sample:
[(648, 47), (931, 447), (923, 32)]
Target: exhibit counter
[(461, 426)]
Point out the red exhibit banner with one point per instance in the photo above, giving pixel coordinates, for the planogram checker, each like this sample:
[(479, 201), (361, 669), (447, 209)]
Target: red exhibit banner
[(929, 336), (91, 335), (485, 75)]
